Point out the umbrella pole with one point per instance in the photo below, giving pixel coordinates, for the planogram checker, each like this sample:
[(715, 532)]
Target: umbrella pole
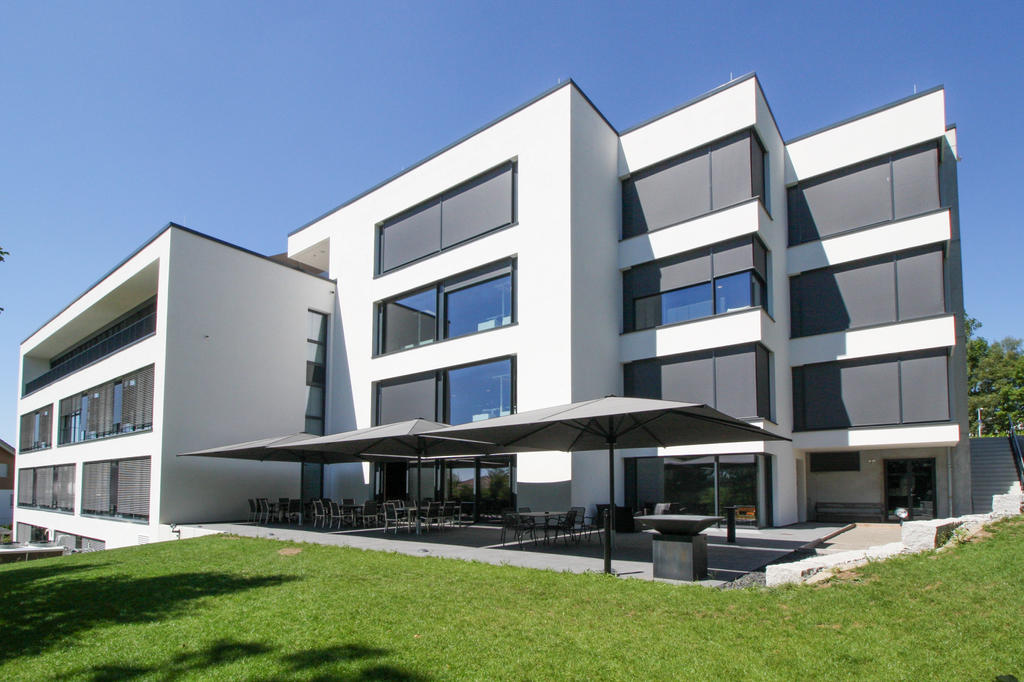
[(419, 496), (609, 520)]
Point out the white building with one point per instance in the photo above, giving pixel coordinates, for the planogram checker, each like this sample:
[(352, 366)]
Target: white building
[(812, 287), (178, 347)]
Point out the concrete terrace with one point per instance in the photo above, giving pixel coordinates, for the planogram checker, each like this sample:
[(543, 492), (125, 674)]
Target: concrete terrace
[(753, 550)]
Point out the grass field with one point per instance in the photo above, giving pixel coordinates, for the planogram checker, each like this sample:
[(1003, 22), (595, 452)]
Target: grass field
[(233, 608)]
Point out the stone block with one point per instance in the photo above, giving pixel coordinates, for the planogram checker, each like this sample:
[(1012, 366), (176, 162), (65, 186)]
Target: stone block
[(919, 536), (1007, 505)]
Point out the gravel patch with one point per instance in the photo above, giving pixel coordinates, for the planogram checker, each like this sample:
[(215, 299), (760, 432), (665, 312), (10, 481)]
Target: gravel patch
[(755, 579)]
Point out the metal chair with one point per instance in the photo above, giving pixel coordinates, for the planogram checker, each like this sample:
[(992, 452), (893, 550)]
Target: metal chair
[(263, 513), (369, 514), (392, 519), (565, 525), (294, 511), (432, 514), (336, 514), (319, 513), (253, 510)]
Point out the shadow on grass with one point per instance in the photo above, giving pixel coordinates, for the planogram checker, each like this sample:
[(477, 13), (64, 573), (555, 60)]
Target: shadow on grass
[(321, 663), (41, 613)]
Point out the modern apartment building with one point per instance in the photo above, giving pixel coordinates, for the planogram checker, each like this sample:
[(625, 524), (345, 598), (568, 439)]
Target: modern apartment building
[(189, 341), (6, 483), (812, 287)]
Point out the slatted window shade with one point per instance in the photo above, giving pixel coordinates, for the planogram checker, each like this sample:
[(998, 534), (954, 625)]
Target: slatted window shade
[(117, 488), (26, 487), (96, 488), (133, 488), (34, 431), (64, 487), (44, 487), (124, 405)]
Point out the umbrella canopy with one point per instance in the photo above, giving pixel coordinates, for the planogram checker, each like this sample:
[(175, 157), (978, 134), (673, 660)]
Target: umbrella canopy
[(259, 450), (398, 440), (607, 423)]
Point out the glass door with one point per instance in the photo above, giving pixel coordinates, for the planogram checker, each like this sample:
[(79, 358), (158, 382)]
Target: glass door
[(910, 483)]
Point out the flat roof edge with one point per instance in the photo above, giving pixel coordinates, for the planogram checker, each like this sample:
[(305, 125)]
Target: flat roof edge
[(169, 226), (710, 93), (449, 146), (871, 112)]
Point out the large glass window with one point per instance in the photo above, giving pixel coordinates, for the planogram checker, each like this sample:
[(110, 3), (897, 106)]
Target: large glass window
[(34, 432), (715, 176), (471, 302), (478, 307), (316, 371), (710, 281), (51, 487), (455, 395), (410, 321), (124, 405), (473, 208), (887, 188), (479, 392), (117, 488)]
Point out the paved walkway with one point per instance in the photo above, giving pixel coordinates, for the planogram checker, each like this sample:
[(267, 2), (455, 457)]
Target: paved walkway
[(862, 536), (631, 556)]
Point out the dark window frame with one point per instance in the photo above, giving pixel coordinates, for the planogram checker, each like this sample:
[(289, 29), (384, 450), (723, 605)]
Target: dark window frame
[(36, 417), (705, 149), (316, 374), (439, 198), (630, 325), (457, 282), (441, 387), (800, 398), (73, 422), (713, 354), (113, 485), (893, 258), (843, 460), (796, 236), (53, 504)]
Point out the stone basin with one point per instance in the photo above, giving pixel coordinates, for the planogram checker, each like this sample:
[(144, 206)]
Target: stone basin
[(677, 524)]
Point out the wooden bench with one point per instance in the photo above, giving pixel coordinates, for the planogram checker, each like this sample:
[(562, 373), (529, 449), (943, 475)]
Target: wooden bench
[(849, 511)]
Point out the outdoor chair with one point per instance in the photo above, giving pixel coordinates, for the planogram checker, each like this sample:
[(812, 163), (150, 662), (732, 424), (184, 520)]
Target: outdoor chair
[(281, 509), (253, 510), (294, 511), (565, 525), (432, 514), (263, 513), (392, 518), (337, 514), (583, 526), (369, 514), (450, 512), (319, 513)]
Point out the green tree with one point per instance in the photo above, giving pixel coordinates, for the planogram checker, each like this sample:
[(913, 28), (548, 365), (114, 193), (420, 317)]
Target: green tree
[(995, 381)]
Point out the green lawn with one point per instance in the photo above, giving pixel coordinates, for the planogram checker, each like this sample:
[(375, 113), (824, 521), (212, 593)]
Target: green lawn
[(231, 608)]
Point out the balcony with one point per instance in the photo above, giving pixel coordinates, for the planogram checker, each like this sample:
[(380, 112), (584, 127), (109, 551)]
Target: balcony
[(144, 327)]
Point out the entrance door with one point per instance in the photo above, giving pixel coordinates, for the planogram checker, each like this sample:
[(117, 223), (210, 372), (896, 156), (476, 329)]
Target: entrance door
[(910, 483), (394, 481), (312, 485)]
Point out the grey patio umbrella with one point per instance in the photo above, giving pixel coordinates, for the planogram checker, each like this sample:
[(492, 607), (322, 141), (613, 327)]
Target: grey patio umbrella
[(607, 423), (259, 449), (400, 440)]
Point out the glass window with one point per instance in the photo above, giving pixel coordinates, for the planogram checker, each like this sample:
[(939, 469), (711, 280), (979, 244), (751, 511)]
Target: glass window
[(410, 321), (686, 304), (479, 392), (118, 405), (479, 307), (735, 292), (316, 371)]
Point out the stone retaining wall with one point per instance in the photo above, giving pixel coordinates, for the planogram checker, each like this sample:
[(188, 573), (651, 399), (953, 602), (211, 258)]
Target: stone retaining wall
[(917, 536)]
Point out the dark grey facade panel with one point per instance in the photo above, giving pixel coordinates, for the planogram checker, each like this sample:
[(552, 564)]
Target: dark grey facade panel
[(681, 272), (409, 237), (479, 207), (819, 400), (868, 293), (642, 379), (673, 193), (916, 181), (690, 379), (871, 393), (921, 285), (924, 382), (730, 171), (762, 375), (735, 257), (757, 175), (410, 398), (858, 197), (735, 381)]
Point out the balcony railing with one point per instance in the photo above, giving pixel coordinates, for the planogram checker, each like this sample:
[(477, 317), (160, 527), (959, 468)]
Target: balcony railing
[(101, 349)]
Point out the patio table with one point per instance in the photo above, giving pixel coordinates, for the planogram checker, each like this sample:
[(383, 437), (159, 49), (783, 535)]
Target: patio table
[(546, 516)]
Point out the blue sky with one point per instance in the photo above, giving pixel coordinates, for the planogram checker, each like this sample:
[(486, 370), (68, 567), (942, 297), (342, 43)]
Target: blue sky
[(245, 120)]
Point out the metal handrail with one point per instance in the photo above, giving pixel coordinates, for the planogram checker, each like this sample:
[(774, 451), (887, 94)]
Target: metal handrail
[(1018, 455), (108, 346)]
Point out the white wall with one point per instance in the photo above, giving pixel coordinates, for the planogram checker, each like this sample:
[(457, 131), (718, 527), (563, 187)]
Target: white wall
[(235, 371)]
